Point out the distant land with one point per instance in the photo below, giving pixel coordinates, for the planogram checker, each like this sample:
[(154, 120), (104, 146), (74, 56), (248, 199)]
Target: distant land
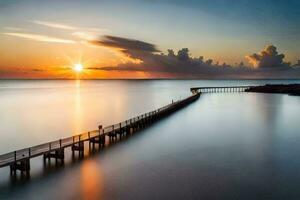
[(291, 89)]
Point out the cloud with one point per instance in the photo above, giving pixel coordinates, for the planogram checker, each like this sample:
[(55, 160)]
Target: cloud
[(87, 35), (39, 70), (54, 25), (132, 48), (297, 64), (183, 65), (10, 28), (98, 30), (183, 54), (83, 33), (151, 59), (40, 38), (268, 57)]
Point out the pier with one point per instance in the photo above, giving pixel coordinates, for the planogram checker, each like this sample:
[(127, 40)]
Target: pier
[(220, 89), (19, 160)]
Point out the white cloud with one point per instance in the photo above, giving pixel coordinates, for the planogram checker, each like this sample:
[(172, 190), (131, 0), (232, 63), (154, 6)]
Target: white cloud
[(40, 38), (85, 35), (55, 25), (10, 28)]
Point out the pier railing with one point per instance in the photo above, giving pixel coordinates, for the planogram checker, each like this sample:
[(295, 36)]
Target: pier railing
[(220, 89), (41, 149)]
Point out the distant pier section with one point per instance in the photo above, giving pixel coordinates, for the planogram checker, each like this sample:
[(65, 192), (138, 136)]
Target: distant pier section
[(20, 160), (219, 89), (291, 89)]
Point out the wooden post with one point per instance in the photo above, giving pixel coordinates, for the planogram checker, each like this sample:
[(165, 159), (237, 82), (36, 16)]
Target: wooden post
[(15, 155), (60, 143), (99, 127), (29, 152)]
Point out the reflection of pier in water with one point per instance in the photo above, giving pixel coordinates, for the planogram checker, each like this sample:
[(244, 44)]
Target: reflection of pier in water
[(20, 159)]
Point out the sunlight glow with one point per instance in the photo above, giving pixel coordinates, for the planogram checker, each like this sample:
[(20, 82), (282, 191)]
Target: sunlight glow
[(78, 67)]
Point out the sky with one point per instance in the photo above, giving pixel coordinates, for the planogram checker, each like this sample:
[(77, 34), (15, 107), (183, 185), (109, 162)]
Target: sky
[(149, 39)]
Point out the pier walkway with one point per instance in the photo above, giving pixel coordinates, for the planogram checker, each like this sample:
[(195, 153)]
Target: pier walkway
[(220, 89), (20, 159)]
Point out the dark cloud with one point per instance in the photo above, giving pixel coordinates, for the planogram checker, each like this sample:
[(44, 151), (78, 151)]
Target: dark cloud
[(130, 47), (39, 70), (183, 65), (171, 53), (297, 64), (269, 57), (183, 54)]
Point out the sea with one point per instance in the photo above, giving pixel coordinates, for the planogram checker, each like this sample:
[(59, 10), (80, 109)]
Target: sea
[(222, 146)]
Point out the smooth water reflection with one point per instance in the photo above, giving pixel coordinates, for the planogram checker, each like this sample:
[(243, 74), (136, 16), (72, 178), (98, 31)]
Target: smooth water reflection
[(224, 146)]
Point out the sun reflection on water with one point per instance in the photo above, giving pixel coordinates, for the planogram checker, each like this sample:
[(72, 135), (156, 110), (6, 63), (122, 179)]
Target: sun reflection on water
[(91, 180), (78, 108)]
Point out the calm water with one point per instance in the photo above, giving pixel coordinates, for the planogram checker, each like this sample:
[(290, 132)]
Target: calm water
[(223, 146)]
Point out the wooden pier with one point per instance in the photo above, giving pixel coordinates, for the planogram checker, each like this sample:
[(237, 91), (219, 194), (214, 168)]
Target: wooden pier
[(220, 89), (20, 159)]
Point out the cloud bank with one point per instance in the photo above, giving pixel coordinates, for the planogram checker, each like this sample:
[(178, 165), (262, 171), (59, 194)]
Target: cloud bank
[(268, 63)]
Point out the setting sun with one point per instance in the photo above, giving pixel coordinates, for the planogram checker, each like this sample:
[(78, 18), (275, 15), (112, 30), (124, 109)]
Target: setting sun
[(78, 67)]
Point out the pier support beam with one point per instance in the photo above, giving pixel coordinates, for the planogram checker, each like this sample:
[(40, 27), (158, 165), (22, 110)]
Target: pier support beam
[(79, 146), (23, 166), (100, 139), (58, 154)]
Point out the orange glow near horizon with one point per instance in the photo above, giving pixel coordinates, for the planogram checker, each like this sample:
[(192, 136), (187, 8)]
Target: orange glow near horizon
[(41, 60)]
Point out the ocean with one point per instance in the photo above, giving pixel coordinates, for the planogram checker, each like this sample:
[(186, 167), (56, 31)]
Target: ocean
[(223, 146)]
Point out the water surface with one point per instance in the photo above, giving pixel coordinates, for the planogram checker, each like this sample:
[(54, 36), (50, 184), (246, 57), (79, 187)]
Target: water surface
[(223, 146)]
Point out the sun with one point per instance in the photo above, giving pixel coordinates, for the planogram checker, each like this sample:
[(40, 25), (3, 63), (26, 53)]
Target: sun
[(78, 67)]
